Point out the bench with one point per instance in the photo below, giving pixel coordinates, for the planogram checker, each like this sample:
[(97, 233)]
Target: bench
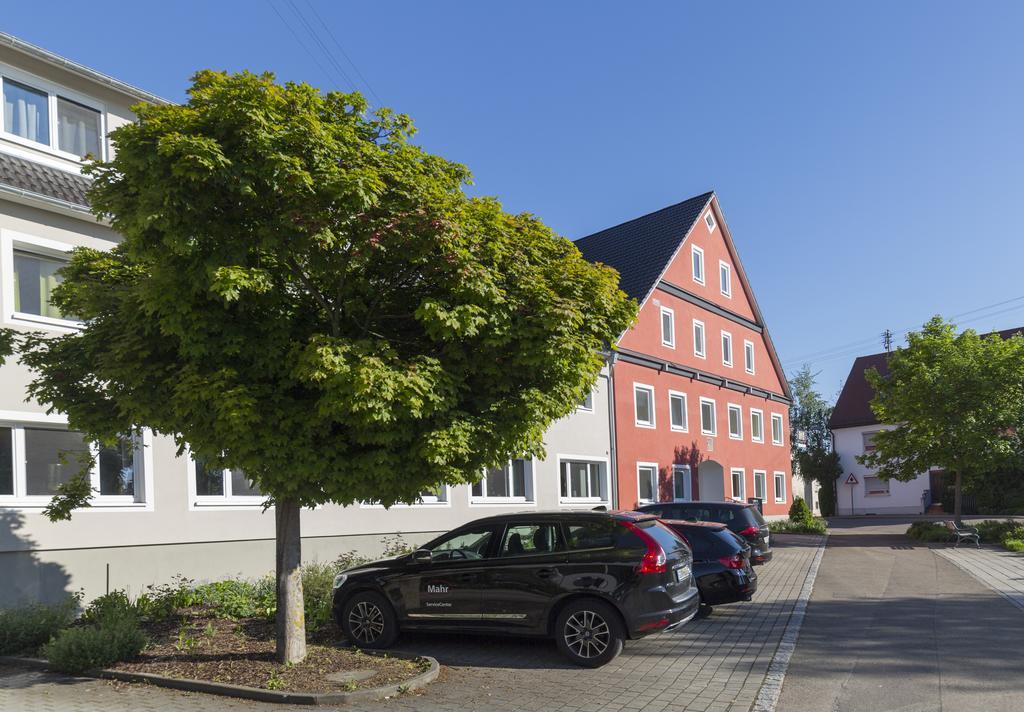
[(967, 534)]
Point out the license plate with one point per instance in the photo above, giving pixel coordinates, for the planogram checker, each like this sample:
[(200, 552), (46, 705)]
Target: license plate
[(682, 574)]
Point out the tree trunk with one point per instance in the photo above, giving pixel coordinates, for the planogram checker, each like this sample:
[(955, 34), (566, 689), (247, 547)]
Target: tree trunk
[(291, 616), (958, 498)]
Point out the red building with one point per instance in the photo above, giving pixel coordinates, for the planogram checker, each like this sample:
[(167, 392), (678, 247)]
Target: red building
[(701, 403)]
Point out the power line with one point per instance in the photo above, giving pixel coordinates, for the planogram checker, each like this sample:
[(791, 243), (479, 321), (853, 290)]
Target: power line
[(299, 40), (323, 47), (330, 33)]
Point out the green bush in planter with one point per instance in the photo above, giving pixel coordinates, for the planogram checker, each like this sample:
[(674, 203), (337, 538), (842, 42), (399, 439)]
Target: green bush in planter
[(77, 650), (24, 629)]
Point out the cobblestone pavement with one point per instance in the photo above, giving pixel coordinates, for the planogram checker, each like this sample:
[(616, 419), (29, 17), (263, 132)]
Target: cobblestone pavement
[(1000, 570), (713, 664)]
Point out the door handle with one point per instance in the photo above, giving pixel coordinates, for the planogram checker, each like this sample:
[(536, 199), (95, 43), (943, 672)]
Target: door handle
[(546, 573)]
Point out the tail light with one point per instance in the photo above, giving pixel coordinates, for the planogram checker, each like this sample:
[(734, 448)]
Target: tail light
[(654, 561), (750, 531), (733, 562)]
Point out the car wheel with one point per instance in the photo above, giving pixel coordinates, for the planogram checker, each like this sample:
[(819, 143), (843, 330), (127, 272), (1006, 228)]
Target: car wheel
[(704, 611), (368, 621), (589, 632)]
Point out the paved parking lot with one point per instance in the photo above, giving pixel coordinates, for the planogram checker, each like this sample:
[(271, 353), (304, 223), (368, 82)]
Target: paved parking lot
[(714, 664)]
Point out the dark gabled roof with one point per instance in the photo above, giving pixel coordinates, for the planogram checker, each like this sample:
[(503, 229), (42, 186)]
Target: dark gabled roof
[(641, 248), (43, 180), (853, 408)]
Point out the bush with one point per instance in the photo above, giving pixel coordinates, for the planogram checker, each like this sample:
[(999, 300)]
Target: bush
[(111, 606), (1008, 534), (928, 532), (24, 629), (76, 650), (799, 511), (811, 525)]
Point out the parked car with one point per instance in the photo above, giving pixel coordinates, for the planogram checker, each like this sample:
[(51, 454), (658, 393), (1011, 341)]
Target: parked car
[(721, 562), (742, 519), (590, 580)]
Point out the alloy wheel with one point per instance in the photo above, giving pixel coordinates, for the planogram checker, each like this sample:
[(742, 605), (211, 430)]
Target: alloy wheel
[(366, 621), (587, 634)]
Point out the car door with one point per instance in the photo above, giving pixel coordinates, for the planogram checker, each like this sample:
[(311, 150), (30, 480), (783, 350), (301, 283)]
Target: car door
[(448, 589), (525, 575)]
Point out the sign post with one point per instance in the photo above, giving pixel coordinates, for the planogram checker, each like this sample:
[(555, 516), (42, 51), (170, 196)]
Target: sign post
[(852, 481)]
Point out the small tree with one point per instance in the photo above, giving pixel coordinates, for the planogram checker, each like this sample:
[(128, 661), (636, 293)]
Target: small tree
[(303, 295), (956, 401), (811, 439)]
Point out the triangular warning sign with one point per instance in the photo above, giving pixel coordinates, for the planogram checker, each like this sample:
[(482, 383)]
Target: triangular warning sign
[(851, 480)]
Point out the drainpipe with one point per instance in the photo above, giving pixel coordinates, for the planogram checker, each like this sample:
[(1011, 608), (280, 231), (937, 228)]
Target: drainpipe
[(613, 469)]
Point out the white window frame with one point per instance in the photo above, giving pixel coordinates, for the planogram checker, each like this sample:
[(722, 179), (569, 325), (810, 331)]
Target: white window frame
[(222, 501), (445, 500), (655, 482), (709, 220), (671, 341), (583, 407), (877, 493), (561, 459), (748, 356), (762, 476), (703, 352), (778, 477), (756, 414), (730, 409), (714, 416), (727, 339), (18, 421), (742, 497), (777, 418), (865, 437), (11, 241), (52, 91), (697, 257), (725, 270), (530, 499), (687, 483), (685, 427), (652, 423)]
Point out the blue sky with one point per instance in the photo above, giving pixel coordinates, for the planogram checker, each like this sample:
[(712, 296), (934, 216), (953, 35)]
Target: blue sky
[(868, 157)]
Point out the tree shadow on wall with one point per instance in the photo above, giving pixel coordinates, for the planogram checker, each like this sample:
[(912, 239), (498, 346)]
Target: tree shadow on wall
[(689, 455), (24, 578)]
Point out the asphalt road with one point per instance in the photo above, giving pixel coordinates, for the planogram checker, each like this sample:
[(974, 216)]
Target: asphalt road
[(894, 627)]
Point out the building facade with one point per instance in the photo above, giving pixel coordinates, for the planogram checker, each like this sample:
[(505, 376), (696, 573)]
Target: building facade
[(701, 401), (157, 513)]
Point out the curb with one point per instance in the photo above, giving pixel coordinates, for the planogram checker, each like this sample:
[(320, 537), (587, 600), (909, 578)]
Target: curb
[(771, 688), (255, 693)]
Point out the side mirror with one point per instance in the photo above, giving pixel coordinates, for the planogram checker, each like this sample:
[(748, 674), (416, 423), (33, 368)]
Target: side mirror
[(422, 556)]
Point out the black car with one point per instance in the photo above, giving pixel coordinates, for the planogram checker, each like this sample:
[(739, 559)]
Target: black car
[(721, 562), (590, 580), (742, 519)]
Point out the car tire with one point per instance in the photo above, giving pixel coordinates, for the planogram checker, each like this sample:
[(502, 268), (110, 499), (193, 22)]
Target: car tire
[(589, 632), (704, 611), (369, 621)]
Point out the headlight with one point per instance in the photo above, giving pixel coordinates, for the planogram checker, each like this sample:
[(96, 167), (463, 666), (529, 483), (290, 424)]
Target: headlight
[(339, 580)]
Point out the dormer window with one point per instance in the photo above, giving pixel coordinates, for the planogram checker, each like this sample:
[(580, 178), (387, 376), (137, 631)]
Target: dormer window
[(38, 115)]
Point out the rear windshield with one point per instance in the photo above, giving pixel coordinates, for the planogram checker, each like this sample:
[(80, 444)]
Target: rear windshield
[(710, 543), (666, 538), (736, 518)]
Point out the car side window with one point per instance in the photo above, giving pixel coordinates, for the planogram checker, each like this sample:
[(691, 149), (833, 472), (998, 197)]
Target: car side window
[(592, 535), (531, 540), (471, 544)]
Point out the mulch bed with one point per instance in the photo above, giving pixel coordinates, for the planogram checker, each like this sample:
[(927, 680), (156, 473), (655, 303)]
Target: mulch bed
[(199, 646)]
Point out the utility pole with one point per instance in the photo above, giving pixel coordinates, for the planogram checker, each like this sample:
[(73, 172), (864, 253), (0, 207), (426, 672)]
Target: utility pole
[(887, 340)]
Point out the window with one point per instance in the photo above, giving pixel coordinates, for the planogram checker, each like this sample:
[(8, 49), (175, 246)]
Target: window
[(35, 277), (681, 483), (776, 428), (531, 540), (219, 483), (709, 220), (698, 338), (587, 403), (28, 107), (876, 486), (438, 494), (756, 425), (647, 482), (511, 483), (868, 440), (31, 268), (677, 411), (698, 264), (36, 458), (584, 480), (748, 356), (707, 416), (780, 486), (725, 278), (735, 422), (668, 328), (643, 404), (726, 348), (759, 484), (470, 545), (738, 475)]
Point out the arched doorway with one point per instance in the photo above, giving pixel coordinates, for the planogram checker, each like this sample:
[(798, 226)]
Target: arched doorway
[(711, 481)]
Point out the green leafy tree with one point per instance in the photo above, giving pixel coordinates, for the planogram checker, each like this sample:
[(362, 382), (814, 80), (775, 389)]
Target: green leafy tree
[(956, 401), (811, 439), (306, 296)]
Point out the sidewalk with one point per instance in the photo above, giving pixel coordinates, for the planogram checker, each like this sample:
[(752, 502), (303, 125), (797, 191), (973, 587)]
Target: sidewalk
[(1000, 570)]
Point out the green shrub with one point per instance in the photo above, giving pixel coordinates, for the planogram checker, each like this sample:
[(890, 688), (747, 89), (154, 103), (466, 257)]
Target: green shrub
[(24, 629), (76, 650), (1002, 533), (810, 525), (928, 532), (799, 511), (110, 606)]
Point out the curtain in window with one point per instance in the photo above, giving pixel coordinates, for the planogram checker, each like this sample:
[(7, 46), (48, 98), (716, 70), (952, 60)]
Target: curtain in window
[(35, 278), (78, 128), (26, 112)]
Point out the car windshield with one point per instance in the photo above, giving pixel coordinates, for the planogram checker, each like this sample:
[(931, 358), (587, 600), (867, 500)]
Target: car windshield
[(464, 545)]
